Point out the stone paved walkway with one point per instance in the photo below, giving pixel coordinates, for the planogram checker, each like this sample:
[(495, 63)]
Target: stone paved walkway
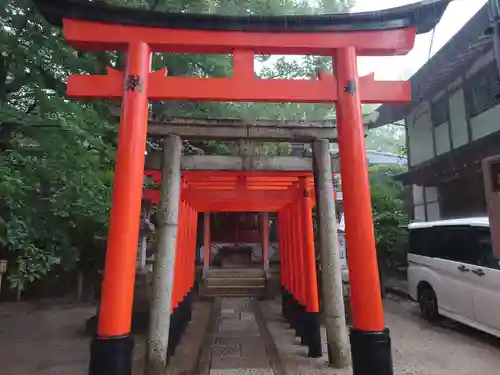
[(239, 347)]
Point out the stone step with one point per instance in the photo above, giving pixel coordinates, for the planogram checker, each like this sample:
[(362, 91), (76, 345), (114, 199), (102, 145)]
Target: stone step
[(235, 281), (234, 273), (232, 291)]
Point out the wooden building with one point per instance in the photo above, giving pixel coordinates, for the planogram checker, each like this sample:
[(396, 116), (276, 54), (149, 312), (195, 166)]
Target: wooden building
[(452, 124)]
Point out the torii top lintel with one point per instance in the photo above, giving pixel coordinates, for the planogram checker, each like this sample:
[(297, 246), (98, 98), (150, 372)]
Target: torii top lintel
[(99, 26), (180, 32)]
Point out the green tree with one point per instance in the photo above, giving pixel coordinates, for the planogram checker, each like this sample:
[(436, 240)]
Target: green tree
[(56, 156), (389, 218)]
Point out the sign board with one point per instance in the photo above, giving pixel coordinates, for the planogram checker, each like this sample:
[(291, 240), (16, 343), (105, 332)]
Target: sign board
[(342, 248)]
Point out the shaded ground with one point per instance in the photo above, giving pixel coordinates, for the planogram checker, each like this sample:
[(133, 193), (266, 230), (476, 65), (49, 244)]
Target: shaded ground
[(44, 339), (47, 339)]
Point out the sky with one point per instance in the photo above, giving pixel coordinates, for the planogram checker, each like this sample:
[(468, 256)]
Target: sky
[(402, 67)]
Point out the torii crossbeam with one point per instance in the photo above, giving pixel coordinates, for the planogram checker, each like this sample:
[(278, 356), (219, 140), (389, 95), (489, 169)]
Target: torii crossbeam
[(95, 26)]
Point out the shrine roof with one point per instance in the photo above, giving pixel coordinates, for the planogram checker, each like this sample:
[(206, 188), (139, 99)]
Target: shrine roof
[(422, 16)]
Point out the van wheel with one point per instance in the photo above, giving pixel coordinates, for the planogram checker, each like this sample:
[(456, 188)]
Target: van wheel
[(428, 303)]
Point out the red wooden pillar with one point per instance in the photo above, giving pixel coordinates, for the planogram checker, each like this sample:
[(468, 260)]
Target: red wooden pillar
[(177, 266), (207, 245), (281, 261), (111, 349), (289, 276), (299, 263), (190, 251), (312, 315), (193, 249), (185, 249), (178, 290), (293, 268), (297, 230), (370, 341)]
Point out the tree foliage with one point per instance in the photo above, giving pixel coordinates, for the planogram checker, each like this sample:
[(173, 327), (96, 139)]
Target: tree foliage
[(56, 156), (389, 218)]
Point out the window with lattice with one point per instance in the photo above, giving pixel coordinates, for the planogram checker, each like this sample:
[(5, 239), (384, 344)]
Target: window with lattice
[(439, 111), (482, 90)]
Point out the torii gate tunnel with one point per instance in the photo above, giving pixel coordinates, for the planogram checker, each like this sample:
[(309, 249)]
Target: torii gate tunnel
[(292, 195), (92, 26)]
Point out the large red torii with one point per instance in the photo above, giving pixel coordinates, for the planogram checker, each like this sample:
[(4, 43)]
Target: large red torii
[(95, 26)]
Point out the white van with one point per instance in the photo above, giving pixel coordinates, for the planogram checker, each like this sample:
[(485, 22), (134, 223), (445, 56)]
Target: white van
[(452, 272)]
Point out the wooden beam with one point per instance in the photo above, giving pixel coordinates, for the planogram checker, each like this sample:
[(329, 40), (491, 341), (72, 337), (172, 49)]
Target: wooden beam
[(261, 133), (238, 163), (240, 129)]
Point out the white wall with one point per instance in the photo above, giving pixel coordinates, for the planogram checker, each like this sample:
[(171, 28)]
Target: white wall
[(432, 203), (418, 203), (425, 203), (421, 144), (458, 121), (485, 123), (442, 138)]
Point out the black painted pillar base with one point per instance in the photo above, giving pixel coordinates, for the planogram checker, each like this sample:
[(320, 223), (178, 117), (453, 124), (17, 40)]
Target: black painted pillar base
[(172, 334), (189, 299), (299, 325), (287, 298), (293, 312), (312, 329), (371, 352), (179, 320), (111, 355), (304, 335)]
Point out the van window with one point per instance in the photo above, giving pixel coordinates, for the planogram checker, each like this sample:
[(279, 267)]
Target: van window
[(485, 249), (419, 242), (455, 243)]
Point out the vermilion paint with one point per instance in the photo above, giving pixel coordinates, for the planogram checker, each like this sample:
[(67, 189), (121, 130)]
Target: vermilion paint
[(360, 239), (310, 277), (92, 36), (115, 312)]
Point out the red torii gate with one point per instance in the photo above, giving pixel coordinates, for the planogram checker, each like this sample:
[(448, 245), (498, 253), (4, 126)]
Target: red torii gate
[(96, 26)]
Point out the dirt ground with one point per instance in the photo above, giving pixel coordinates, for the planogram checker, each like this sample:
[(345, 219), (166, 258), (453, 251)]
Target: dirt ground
[(44, 338), (47, 338)]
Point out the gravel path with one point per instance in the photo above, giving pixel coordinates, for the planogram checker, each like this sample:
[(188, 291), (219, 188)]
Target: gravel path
[(419, 348)]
